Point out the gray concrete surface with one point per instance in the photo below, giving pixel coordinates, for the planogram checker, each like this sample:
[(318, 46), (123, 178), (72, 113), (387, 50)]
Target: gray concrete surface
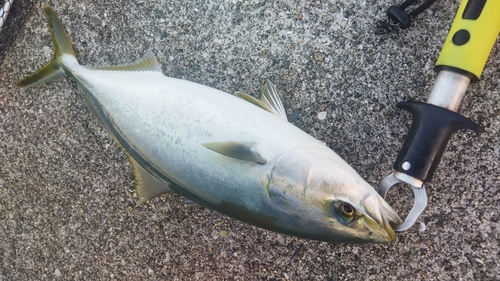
[(67, 207)]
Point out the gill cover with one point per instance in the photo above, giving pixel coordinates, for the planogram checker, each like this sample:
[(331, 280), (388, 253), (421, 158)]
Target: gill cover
[(328, 198)]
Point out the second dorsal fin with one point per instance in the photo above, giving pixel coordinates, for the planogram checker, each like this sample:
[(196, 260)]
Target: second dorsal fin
[(147, 63)]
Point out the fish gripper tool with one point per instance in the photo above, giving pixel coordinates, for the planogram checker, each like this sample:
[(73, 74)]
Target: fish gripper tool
[(418, 159), (462, 60)]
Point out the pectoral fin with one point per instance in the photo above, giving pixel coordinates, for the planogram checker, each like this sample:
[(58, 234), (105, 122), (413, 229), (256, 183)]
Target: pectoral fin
[(146, 185), (239, 150)]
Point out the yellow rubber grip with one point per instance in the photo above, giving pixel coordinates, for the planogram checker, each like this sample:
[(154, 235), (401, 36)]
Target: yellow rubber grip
[(471, 37)]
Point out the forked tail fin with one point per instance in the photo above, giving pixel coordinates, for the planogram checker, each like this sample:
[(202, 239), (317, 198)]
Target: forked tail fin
[(63, 53)]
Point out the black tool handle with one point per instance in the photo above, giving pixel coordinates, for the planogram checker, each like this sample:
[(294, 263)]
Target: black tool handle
[(431, 129)]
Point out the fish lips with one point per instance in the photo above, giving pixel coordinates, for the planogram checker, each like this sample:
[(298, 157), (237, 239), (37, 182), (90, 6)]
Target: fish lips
[(383, 215)]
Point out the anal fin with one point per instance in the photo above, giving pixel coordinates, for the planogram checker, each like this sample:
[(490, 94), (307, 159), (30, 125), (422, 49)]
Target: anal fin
[(146, 185)]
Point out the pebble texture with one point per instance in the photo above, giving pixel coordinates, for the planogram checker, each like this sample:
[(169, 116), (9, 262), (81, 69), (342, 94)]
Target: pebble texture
[(67, 206)]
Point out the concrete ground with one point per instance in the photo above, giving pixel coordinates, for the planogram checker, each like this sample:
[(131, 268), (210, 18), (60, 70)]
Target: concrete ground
[(67, 206)]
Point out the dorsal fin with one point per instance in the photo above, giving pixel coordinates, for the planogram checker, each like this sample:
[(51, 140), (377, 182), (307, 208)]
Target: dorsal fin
[(255, 101), (239, 150), (146, 63), (269, 100)]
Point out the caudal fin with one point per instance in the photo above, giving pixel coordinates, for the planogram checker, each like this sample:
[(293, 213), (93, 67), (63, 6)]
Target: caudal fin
[(62, 47)]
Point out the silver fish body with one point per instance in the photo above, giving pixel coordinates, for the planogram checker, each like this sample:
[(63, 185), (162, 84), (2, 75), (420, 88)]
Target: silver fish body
[(223, 151)]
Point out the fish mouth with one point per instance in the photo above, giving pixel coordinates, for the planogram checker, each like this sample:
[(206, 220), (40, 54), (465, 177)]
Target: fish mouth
[(383, 215)]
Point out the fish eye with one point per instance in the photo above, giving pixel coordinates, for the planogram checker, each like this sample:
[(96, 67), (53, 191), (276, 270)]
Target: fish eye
[(346, 209), (345, 212)]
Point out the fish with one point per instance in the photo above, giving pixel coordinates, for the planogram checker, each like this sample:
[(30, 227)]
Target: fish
[(235, 154)]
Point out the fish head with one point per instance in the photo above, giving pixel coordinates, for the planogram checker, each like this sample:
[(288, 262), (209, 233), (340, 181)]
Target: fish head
[(322, 198)]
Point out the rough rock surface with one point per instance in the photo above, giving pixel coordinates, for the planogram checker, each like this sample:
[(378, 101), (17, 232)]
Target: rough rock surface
[(67, 206)]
